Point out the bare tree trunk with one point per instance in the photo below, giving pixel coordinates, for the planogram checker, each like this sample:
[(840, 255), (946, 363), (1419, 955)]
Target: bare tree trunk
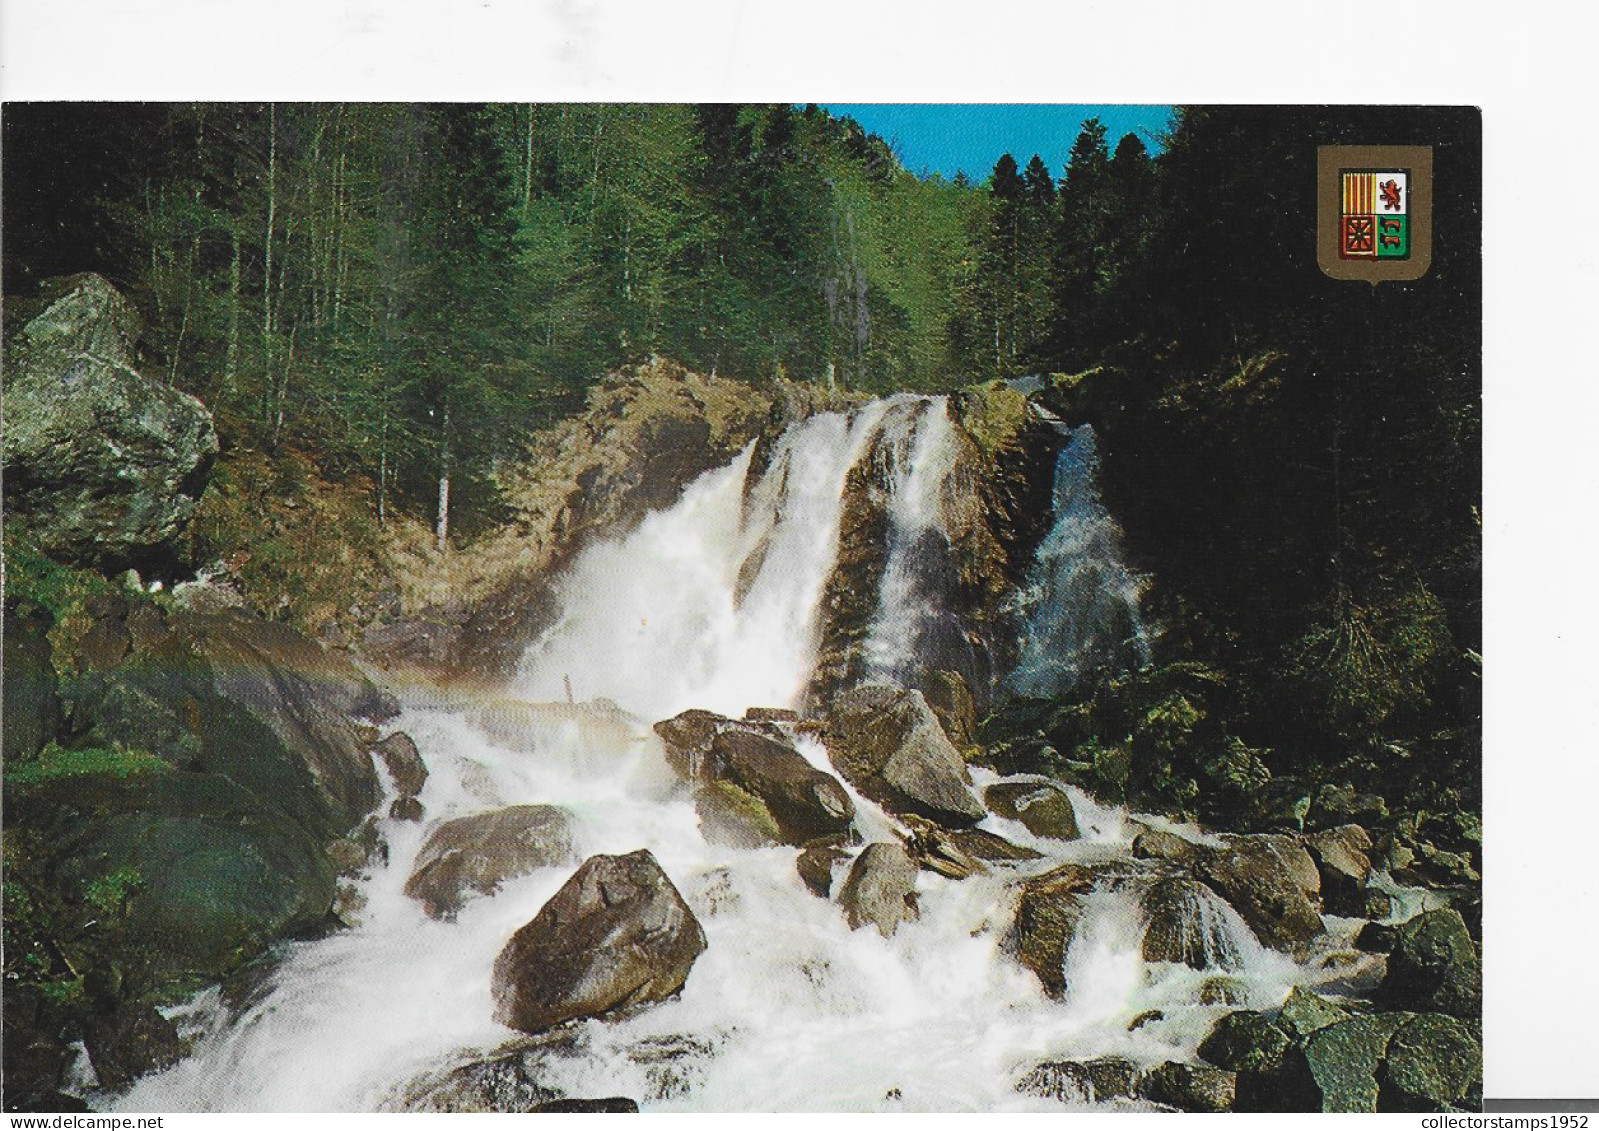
[(230, 370), (271, 225), (443, 529), (527, 167)]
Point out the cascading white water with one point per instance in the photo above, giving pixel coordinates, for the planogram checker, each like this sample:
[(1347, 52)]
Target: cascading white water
[(1079, 608), (713, 603)]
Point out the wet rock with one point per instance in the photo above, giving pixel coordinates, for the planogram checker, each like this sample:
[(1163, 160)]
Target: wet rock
[(880, 889), (1180, 926), (1432, 1062), (1377, 938), (1344, 1058), (1306, 1012), (404, 763), (1158, 844), (1223, 990), (1189, 1087), (503, 1084), (1271, 881), (615, 938), (1043, 808), (674, 1065), (889, 745), (804, 802), (611, 1105), (406, 809), (1145, 1018), (1434, 967), (1081, 1081), (1246, 1041), (1343, 861), (816, 866), (687, 738), (980, 844), (473, 855), (128, 1041), (32, 703), (951, 700), (1048, 910), (771, 715), (103, 466), (1376, 904)]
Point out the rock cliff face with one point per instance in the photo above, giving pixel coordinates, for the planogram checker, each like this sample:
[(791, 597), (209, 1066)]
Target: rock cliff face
[(103, 465)]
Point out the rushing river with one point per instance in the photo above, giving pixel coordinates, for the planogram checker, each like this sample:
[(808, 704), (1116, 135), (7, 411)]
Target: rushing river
[(716, 603)]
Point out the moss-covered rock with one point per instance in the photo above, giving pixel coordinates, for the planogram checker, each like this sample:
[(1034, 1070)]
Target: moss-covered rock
[(1433, 1062), (1434, 967), (1344, 1058)]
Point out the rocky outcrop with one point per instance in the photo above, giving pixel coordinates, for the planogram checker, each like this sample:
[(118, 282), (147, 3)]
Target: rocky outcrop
[(615, 938), (1434, 967), (255, 701), (888, 744), (103, 466), (1272, 882), (1043, 808), (750, 786), (880, 889), (473, 855)]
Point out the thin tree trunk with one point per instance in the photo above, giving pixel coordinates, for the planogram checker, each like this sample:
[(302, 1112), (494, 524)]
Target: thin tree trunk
[(230, 369), (527, 167), (271, 227), (443, 530)]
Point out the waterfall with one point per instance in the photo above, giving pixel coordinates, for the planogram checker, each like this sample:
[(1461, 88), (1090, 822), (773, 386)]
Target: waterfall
[(717, 602), (1079, 606)]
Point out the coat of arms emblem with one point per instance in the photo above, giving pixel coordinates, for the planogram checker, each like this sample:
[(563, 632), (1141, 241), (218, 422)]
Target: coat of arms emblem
[(1375, 205)]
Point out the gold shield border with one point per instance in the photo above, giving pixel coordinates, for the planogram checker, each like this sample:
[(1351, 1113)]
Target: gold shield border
[(1330, 161)]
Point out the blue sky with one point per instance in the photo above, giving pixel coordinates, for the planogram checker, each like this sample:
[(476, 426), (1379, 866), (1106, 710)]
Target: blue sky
[(970, 138)]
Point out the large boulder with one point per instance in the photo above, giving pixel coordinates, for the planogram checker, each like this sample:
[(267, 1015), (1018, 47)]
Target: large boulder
[(1434, 967), (1272, 882), (1043, 808), (888, 744), (1180, 925), (32, 705), (618, 936), (751, 787), (404, 763), (473, 855), (258, 702), (1344, 1059), (1247, 1041), (1432, 1062), (103, 466), (880, 889)]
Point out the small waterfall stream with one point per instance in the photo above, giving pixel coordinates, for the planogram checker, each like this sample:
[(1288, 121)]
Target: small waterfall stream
[(715, 603)]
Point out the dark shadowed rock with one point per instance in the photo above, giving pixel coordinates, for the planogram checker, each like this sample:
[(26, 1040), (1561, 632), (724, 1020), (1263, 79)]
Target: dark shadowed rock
[(1081, 1081), (880, 889), (103, 466), (1377, 938), (32, 703), (404, 762), (1343, 861), (473, 855), (506, 1083), (129, 1041), (104, 645), (816, 865), (888, 744), (612, 1105), (1043, 808), (1434, 967), (687, 738), (1189, 1087), (616, 937), (1271, 881), (1047, 913)]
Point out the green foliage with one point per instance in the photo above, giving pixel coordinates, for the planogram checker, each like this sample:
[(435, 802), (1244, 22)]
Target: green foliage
[(63, 591), (55, 763), (109, 894)]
